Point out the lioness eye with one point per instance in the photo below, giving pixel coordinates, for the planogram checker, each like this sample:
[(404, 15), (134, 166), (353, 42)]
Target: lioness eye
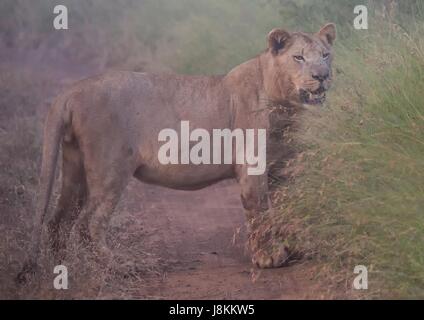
[(326, 55), (299, 58)]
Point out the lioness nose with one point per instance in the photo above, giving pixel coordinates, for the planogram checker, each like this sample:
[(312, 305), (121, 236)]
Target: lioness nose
[(321, 76)]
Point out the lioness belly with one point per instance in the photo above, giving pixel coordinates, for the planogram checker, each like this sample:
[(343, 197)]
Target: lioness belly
[(183, 177)]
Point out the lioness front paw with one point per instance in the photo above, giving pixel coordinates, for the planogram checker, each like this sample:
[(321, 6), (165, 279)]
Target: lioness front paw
[(276, 258)]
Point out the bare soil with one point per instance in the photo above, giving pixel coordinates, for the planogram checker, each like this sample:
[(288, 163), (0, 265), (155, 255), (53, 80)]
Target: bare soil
[(200, 236)]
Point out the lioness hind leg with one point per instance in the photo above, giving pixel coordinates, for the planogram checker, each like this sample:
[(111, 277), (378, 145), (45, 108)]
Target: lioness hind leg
[(91, 227), (72, 197), (104, 191), (89, 250)]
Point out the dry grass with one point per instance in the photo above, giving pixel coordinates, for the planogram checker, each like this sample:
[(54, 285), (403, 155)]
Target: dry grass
[(358, 197)]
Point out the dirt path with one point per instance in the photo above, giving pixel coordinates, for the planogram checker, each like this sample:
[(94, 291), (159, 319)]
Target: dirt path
[(199, 238)]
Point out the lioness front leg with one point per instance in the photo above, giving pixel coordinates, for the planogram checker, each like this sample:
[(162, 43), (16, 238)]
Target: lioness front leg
[(255, 200)]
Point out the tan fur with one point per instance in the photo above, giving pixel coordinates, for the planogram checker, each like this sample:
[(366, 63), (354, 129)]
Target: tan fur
[(108, 127)]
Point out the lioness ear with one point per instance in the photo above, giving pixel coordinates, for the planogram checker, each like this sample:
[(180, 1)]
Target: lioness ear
[(277, 40), (328, 33)]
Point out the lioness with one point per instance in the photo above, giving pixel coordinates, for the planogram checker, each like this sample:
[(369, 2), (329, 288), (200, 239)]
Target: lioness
[(108, 128)]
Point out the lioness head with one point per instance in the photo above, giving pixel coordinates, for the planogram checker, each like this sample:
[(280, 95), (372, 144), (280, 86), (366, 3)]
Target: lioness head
[(298, 65)]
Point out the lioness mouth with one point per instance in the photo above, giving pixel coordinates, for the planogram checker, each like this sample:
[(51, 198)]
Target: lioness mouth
[(313, 97)]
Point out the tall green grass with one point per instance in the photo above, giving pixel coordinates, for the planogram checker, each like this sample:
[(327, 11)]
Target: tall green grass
[(360, 197)]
